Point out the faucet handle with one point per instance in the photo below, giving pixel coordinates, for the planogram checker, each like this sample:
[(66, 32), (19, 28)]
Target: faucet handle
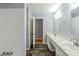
[(74, 40)]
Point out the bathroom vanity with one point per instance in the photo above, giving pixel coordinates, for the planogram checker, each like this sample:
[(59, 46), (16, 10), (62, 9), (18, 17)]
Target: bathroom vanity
[(62, 45)]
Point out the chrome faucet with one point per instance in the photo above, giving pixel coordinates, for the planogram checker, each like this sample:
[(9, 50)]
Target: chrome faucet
[(75, 42)]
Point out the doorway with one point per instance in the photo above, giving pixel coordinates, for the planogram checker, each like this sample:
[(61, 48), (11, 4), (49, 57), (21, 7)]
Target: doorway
[(39, 31)]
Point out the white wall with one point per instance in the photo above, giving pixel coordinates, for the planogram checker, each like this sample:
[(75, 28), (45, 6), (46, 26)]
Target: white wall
[(57, 25), (29, 28), (12, 31)]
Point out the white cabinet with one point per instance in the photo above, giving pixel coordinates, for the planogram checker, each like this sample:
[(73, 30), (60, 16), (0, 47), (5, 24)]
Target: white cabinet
[(54, 47), (50, 45), (60, 52)]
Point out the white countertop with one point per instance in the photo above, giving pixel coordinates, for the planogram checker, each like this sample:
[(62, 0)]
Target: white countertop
[(63, 42)]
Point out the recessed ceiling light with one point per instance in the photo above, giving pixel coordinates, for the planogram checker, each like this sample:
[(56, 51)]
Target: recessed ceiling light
[(58, 14)]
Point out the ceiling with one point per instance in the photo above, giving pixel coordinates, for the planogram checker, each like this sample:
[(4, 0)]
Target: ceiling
[(37, 8)]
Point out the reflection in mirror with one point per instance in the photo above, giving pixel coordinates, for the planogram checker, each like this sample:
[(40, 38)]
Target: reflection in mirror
[(75, 18)]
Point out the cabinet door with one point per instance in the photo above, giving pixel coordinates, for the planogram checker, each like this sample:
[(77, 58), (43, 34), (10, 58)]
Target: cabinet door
[(59, 52)]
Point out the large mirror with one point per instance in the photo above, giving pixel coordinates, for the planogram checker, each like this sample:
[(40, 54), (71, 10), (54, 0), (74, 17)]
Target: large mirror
[(75, 18)]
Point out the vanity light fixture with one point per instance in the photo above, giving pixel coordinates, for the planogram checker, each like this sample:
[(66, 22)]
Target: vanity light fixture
[(58, 14)]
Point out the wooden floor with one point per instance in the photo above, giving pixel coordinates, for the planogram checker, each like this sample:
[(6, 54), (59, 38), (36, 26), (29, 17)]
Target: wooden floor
[(39, 41), (40, 50)]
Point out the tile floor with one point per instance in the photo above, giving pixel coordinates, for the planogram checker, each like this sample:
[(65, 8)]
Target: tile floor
[(40, 50)]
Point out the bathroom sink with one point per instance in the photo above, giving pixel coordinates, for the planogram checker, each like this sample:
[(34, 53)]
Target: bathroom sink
[(70, 48)]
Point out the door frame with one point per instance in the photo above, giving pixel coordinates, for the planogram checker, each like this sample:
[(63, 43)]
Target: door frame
[(33, 32), (34, 18)]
